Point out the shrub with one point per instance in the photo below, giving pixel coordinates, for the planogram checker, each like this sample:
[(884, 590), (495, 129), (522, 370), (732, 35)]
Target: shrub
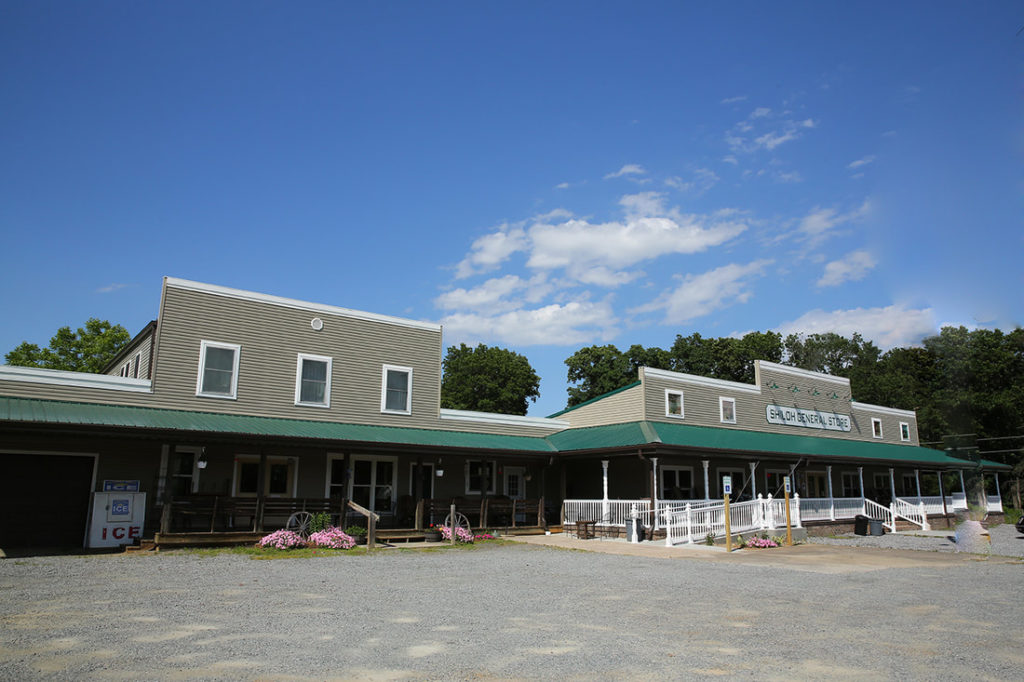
[(319, 521), (333, 538), (283, 539), (356, 530)]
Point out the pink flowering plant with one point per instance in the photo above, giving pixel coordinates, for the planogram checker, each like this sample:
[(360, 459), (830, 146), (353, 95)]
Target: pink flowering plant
[(332, 538), (485, 536), (461, 534), (760, 543), (283, 539)]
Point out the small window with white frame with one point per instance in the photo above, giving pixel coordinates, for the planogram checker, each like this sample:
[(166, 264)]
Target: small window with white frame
[(904, 431), (727, 410), (218, 370), (396, 390), (138, 363), (673, 403), (313, 380), (876, 427), (126, 369)]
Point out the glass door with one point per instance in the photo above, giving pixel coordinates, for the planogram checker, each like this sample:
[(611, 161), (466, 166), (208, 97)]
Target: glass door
[(373, 483)]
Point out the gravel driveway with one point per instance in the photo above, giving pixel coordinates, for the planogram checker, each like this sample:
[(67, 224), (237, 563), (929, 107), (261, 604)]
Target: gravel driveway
[(1005, 541), (508, 612)]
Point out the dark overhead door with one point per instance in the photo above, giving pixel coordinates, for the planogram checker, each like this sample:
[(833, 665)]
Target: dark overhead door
[(44, 500)]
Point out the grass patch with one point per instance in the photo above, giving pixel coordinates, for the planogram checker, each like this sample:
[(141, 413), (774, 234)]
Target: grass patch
[(267, 554)]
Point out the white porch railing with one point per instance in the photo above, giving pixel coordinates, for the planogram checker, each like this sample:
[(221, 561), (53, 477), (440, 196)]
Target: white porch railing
[(915, 513), (995, 503), (691, 523), (608, 512), (932, 505), (875, 511), (957, 501)]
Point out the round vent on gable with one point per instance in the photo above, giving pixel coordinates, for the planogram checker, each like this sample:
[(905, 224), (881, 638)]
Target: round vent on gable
[(317, 324)]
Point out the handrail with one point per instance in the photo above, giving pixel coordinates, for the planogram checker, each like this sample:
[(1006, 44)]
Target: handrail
[(910, 512), (878, 512), (371, 526)]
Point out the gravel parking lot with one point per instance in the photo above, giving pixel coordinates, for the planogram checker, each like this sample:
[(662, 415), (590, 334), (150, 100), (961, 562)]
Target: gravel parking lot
[(514, 612), (1004, 541)]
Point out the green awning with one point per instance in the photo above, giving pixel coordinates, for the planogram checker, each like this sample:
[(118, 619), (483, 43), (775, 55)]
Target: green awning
[(95, 414)]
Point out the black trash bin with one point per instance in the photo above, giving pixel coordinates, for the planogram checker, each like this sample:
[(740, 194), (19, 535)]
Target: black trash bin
[(860, 525), (876, 527)]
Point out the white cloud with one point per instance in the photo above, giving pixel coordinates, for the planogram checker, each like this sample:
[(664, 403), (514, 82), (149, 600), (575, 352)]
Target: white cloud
[(627, 170), (773, 139), (734, 100), (894, 325), (781, 132), (730, 159), (861, 162), (111, 288), (819, 224), (700, 295), (491, 250), (562, 185), (702, 180), (760, 112), (852, 267), (489, 296), (790, 177), (572, 323)]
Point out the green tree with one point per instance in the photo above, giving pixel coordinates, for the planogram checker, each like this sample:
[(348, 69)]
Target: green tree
[(89, 349), (487, 379), (596, 370)]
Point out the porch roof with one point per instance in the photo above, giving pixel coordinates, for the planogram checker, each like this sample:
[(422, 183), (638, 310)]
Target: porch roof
[(38, 411), (635, 434)]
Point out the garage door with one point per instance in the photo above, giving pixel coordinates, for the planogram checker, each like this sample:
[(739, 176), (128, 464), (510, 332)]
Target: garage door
[(44, 500)]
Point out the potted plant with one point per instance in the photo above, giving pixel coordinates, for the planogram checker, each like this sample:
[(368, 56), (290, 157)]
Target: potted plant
[(358, 534), (432, 534)]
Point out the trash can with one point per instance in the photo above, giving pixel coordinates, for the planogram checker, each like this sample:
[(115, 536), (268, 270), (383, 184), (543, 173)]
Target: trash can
[(634, 531), (876, 527), (860, 525)]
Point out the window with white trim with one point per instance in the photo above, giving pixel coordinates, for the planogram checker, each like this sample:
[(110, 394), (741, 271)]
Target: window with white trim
[(676, 483), (904, 431), (313, 380), (396, 390), (673, 403), (218, 370), (126, 369), (727, 410), (138, 362), (876, 427), (851, 484)]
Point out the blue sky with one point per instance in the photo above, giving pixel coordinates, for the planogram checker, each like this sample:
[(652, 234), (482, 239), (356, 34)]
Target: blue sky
[(535, 177)]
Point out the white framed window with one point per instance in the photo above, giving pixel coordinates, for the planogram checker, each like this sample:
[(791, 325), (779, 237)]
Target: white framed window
[(851, 484), (876, 427), (727, 410), (218, 370), (480, 476), (673, 403), (185, 472), (313, 380), (904, 431), (126, 369), (396, 390), (138, 361), (676, 483)]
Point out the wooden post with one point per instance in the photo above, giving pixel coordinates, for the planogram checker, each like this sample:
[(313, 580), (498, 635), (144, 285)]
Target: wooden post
[(213, 513), (371, 532), (485, 509), (542, 522), (789, 519), (451, 523), (419, 514), (728, 528), (261, 484)]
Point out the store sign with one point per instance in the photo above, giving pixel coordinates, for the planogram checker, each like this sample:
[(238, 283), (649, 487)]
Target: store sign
[(120, 486), (810, 419)]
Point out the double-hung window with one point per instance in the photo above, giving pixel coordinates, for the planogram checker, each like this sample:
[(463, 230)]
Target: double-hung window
[(876, 427), (396, 390), (673, 403), (218, 370), (313, 381), (904, 431), (727, 410)]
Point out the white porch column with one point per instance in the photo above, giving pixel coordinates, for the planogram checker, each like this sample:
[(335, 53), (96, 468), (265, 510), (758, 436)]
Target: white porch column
[(863, 504), (753, 481), (942, 494), (707, 489), (654, 492), (892, 483), (963, 486), (831, 500), (917, 477), (999, 493), (604, 495)]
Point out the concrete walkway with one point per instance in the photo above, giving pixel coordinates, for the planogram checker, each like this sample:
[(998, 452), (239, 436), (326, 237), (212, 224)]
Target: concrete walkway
[(804, 557)]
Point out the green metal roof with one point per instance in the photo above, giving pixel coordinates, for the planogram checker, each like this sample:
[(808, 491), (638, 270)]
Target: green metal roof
[(610, 436), (94, 414), (635, 434)]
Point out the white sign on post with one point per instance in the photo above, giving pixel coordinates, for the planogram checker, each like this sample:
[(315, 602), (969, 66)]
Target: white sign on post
[(727, 484), (785, 480)]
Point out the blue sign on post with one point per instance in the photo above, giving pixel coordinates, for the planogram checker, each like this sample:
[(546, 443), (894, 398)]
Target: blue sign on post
[(727, 484), (786, 481)]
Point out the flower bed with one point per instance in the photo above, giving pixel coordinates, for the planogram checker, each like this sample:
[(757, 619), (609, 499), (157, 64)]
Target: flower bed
[(461, 534), (329, 538), (283, 539)]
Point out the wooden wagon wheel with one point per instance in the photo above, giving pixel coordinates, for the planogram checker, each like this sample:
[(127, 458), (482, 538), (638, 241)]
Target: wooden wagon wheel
[(460, 522), (299, 523)]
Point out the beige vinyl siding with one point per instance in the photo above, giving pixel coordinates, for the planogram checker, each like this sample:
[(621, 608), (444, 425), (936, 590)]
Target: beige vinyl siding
[(140, 347), (701, 405), (625, 406)]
